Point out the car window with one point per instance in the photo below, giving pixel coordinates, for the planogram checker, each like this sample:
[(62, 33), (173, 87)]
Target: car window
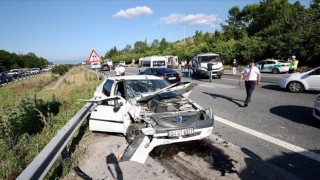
[(315, 72), (159, 63), (271, 62), (107, 87), (209, 58), (137, 87), (146, 63), (147, 71)]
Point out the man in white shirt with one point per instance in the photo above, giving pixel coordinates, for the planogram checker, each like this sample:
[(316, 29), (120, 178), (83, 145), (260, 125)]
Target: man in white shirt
[(117, 70), (122, 70), (252, 76)]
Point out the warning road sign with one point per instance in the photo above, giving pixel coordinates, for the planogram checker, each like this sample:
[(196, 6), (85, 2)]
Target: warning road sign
[(94, 57)]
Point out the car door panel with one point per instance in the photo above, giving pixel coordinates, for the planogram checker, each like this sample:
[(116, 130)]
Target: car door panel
[(109, 118), (313, 79)]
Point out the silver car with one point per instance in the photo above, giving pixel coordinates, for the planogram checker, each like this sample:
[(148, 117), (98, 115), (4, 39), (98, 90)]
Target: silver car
[(316, 108)]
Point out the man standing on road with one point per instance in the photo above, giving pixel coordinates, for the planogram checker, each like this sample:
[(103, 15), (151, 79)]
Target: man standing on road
[(117, 70), (252, 76), (209, 69), (190, 68), (122, 70), (234, 66)]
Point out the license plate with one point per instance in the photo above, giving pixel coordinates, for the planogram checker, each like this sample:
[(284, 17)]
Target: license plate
[(170, 78), (180, 132)]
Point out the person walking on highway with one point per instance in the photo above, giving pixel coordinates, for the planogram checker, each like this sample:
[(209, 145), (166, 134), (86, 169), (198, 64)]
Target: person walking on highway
[(122, 70), (190, 69), (209, 70), (117, 70), (234, 66), (252, 77)]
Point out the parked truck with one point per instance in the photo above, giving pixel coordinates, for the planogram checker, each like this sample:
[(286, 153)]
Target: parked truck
[(200, 62)]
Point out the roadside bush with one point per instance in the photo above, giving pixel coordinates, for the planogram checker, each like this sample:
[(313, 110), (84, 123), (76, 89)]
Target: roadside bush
[(61, 69), (29, 118)]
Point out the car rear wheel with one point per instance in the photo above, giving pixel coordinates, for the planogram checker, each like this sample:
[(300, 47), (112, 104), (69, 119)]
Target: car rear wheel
[(132, 131), (275, 71), (295, 87)]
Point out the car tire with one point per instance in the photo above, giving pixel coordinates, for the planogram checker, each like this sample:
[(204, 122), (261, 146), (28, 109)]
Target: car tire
[(275, 71), (132, 131), (295, 87), (219, 77)]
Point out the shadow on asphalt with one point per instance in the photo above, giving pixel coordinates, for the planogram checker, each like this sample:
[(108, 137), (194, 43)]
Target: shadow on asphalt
[(226, 98), (275, 87), (112, 160), (294, 113), (201, 148), (286, 166)]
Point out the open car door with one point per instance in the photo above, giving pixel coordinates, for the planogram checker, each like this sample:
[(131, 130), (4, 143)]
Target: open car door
[(109, 115)]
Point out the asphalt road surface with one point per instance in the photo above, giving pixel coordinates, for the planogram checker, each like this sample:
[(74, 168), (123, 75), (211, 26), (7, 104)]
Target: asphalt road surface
[(276, 129)]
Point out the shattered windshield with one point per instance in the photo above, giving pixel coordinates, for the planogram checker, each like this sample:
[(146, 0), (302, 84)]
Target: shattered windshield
[(209, 58), (137, 87)]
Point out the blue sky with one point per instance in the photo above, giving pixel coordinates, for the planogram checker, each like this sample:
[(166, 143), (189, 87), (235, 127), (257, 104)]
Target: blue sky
[(66, 31)]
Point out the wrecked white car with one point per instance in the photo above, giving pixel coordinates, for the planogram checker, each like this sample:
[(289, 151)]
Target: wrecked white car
[(150, 112)]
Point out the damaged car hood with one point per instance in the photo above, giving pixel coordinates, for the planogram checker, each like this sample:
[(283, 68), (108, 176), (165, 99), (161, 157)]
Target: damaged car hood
[(181, 87)]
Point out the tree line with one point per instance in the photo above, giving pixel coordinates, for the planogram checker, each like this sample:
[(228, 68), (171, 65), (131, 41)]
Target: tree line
[(268, 29), (16, 61)]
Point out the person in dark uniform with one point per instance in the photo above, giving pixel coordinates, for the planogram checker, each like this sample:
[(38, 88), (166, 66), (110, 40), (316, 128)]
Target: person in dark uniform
[(252, 77)]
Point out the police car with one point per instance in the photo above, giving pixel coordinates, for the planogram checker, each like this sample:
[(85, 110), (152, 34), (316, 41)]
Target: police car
[(272, 65)]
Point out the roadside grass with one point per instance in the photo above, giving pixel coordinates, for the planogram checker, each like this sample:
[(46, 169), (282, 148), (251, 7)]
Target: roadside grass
[(12, 93), (31, 115)]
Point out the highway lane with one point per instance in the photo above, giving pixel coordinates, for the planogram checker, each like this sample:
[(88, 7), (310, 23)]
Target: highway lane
[(273, 112)]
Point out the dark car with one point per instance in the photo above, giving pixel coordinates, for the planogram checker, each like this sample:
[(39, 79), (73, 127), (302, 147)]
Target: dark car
[(5, 77), (165, 73), (105, 67)]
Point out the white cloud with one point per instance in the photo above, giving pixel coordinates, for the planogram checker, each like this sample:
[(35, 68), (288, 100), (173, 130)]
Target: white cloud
[(132, 13), (193, 19)]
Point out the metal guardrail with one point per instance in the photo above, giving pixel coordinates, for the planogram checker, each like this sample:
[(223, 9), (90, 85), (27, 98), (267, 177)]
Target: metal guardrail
[(41, 164)]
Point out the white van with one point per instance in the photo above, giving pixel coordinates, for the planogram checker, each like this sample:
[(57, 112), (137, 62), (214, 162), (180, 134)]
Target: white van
[(152, 61), (200, 62), (95, 65)]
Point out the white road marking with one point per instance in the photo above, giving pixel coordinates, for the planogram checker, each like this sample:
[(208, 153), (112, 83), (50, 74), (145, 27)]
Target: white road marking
[(273, 140), (206, 86), (216, 85), (231, 79)]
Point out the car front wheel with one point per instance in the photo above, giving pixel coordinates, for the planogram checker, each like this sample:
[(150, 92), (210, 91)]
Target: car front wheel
[(132, 131), (275, 71), (295, 87)]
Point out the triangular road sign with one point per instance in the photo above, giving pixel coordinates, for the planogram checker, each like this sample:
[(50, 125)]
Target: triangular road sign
[(94, 57)]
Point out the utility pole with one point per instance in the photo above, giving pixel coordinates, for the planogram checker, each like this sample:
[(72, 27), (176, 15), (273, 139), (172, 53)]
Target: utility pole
[(184, 34)]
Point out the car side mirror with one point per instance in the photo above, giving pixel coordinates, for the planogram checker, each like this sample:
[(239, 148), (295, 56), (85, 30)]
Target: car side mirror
[(117, 105)]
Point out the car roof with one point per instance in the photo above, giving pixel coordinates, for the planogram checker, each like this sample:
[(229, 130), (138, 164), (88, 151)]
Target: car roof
[(161, 69), (135, 77)]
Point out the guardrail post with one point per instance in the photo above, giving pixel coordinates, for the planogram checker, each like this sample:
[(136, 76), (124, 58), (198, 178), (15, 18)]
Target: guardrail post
[(64, 153)]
